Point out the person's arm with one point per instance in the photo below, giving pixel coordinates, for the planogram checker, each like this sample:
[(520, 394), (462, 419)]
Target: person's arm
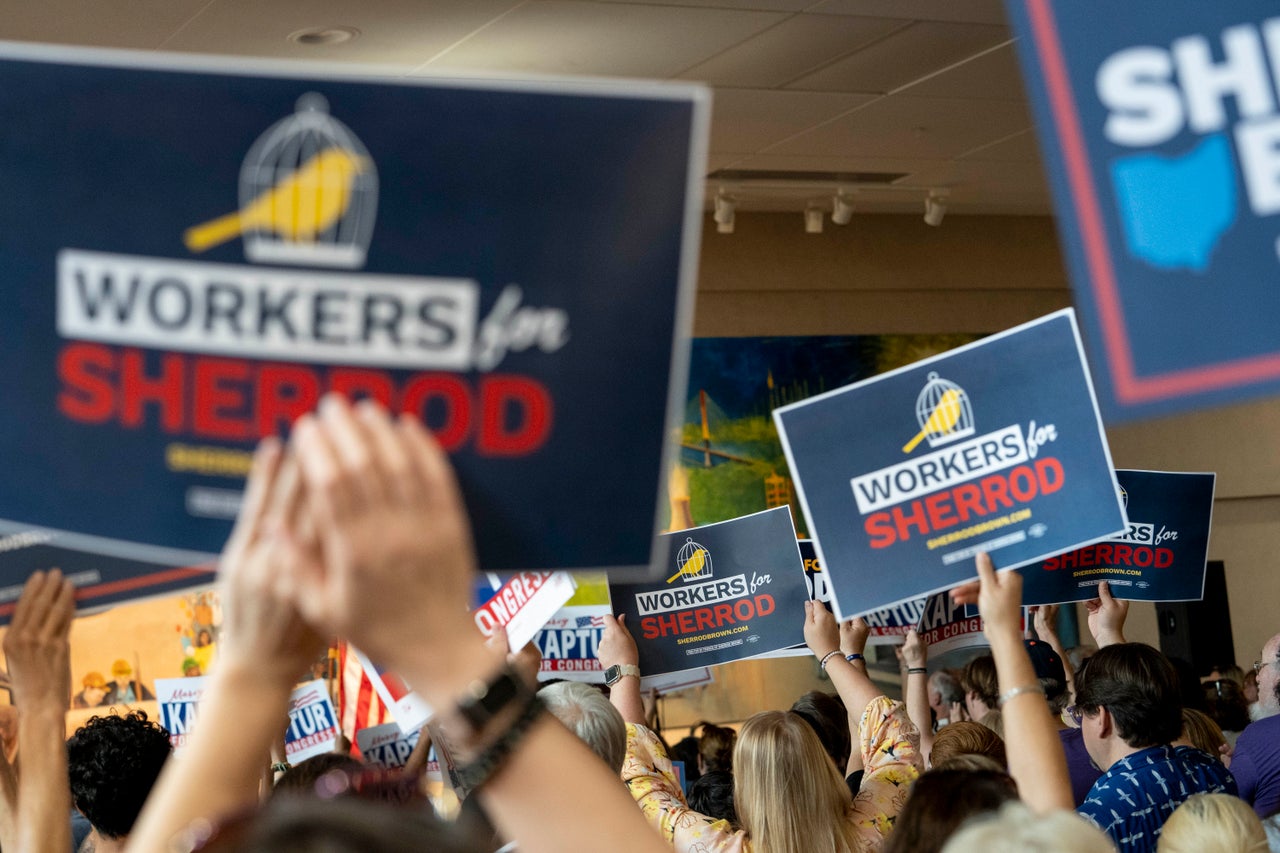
[(617, 648), (1036, 760), (915, 653), (1106, 617), (1046, 625), (38, 655), (823, 635), (394, 574), (265, 647)]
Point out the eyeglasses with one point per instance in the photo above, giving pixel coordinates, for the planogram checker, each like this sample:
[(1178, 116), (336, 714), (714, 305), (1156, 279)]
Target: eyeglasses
[(1077, 715), (1259, 664)]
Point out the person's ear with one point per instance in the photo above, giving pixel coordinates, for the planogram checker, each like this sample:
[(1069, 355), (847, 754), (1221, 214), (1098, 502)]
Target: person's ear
[(1105, 723)]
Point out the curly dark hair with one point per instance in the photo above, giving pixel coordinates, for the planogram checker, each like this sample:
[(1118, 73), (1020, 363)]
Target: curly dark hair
[(113, 763)]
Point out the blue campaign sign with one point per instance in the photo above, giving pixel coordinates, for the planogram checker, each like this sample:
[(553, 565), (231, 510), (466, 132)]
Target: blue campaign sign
[(888, 626), (1159, 125), (194, 251), (730, 590), (994, 446), (1160, 556)]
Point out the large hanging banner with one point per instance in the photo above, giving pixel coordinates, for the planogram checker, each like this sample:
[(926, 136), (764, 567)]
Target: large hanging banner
[(1161, 555), (735, 589), (995, 446), (193, 251), (1160, 130)]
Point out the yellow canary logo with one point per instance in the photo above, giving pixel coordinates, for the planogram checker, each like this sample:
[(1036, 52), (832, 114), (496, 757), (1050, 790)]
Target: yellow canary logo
[(300, 206), (943, 419), (692, 566)]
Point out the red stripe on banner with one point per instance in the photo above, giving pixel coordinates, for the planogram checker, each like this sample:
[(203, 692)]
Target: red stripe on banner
[(166, 576), (1129, 387)]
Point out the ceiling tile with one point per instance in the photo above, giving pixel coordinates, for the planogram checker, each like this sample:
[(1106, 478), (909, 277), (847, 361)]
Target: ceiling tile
[(1019, 148), (906, 56), (803, 163), (142, 24), (746, 120), (906, 127), (792, 49), (969, 11), (614, 39), (993, 75), (393, 32)]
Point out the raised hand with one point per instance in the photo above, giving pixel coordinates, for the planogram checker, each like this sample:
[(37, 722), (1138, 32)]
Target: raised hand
[(617, 646), (853, 635), (821, 630), (998, 596), (915, 651), (1106, 616)]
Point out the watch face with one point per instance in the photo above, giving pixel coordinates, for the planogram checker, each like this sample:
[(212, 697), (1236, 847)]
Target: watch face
[(612, 674)]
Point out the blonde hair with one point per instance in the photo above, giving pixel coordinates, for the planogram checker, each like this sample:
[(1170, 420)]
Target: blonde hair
[(966, 738), (1015, 829), (789, 796), (1209, 823)]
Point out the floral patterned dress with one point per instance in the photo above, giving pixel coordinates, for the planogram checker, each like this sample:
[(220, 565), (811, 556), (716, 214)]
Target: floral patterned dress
[(890, 747)]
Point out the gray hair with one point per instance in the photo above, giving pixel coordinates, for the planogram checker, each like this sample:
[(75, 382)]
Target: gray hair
[(947, 687), (1015, 829), (586, 712)]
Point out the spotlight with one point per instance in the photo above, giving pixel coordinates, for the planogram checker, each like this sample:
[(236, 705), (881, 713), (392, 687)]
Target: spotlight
[(935, 207), (842, 209), (726, 205), (813, 217)]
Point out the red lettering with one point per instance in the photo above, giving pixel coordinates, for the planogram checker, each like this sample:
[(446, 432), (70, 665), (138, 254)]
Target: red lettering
[(916, 519), (1086, 557), (968, 501), (765, 605), (996, 491), (1050, 474), (724, 613), (1104, 554), (939, 508), (213, 396), (137, 389), (1142, 557), (354, 384), (687, 622), (704, 618), (1164, 558), (85, 371), (743, 609), (879, 526), (500, 396), (1123, 553), (1022, 483), (1051, 565), (452, 393), (649, 628), (285, 393)]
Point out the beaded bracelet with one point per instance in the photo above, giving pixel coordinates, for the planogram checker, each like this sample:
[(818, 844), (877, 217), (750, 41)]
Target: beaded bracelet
[(484, 765), (827, 657), (918, 670)]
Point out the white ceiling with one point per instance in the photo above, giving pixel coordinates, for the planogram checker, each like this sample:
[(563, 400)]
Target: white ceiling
[(928, 88)]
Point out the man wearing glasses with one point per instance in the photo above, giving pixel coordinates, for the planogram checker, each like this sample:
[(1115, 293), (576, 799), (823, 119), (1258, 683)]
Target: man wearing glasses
[(1256, 762)]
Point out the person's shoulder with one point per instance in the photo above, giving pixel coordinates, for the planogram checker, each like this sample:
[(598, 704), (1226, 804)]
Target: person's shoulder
[(1265, 729)]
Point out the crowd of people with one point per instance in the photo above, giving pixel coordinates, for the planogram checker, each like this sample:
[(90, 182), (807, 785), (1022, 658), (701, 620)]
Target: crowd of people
[(355, 528)]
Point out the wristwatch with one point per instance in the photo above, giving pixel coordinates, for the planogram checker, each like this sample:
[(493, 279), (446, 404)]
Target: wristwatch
[(615, 673), (486, 700)]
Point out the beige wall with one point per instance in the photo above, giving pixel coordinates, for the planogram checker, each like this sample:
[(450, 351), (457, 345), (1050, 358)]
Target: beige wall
[(894, 274)]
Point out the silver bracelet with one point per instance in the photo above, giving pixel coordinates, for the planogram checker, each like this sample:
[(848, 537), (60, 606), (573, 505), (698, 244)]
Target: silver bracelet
[(1018, 691), (828, 656)]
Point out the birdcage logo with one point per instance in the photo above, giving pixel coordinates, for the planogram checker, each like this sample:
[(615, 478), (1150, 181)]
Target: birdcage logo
[(943, 412), (693, 562), (308, 191), (1124, 497)]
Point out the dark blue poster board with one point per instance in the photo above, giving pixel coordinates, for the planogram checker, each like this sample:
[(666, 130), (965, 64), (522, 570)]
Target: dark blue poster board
[(994, 446), (1159, 125), (729, 591), (1161, 555), (194, 250)]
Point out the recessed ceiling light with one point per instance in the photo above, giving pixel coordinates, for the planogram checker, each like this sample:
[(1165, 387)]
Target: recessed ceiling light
[(324, 35)]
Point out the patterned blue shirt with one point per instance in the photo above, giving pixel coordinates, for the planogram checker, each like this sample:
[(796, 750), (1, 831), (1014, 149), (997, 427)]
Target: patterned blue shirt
[(1133, 799)]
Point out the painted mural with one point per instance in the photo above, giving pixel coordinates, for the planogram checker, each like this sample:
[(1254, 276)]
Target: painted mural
[(731, 462)]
